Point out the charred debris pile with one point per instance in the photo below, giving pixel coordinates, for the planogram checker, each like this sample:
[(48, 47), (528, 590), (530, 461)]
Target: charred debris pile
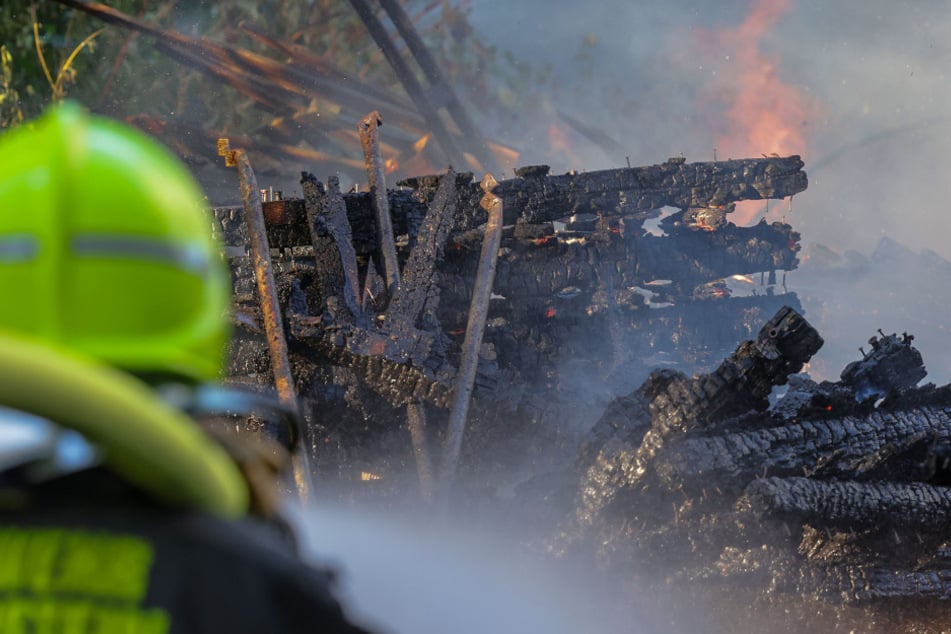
[(584, 302), (595, 378), (835, 491)]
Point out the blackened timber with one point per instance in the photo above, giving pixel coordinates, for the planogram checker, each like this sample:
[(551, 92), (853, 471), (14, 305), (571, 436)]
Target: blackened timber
[(892, 365), (369, 139), (379, 361), (543, 198), (418, 296), (331, 239), (623, 444), (416, 422), (688, 260), (741, 383), (534, 273), (269, 303), (540, 198), (831, 448), (403, 357), (856, 584), (674, 183), (849, 504)]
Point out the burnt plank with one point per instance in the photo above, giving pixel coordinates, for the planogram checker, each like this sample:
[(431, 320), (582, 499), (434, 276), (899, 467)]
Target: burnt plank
[(539, 197)]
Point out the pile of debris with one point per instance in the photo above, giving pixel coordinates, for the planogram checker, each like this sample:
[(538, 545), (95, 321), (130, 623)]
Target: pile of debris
[(584, 302), (835, 491)]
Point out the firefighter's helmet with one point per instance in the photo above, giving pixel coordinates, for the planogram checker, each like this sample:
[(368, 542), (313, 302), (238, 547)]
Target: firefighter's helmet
[(105, 248)]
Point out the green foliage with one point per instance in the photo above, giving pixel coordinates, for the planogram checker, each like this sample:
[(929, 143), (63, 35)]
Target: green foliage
[(10, 112), (95, 71), (125, 75)]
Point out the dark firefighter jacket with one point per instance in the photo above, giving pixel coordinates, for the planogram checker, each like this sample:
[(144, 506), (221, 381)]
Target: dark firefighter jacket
[(86, 553)]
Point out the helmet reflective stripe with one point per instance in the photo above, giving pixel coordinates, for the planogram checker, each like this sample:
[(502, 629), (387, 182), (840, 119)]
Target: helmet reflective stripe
[(189, 257), (18, 248)]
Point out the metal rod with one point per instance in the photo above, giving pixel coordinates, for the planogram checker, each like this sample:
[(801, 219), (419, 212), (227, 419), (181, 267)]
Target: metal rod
[(270, 306), (381, 205), (478, 311), (416, 421)]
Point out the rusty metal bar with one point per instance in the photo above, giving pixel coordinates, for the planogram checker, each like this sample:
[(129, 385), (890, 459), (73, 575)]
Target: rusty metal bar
[(381, 205), (409, 81), (478, 311), (267, 293), (416, 421)]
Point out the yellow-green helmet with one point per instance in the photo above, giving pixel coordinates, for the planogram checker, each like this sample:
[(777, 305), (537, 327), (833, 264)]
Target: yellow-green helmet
[(105, 247)]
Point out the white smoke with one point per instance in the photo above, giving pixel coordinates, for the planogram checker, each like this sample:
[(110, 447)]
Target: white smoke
[(878, 145)]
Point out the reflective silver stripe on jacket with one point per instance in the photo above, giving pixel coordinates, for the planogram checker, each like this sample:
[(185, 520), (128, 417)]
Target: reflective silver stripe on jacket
[(190, 257), (18, 248)]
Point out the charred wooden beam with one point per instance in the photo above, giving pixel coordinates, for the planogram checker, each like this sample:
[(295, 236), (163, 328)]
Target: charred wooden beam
[(891, 365), (832, 448), (674, 183), (369, 139), (849, 504), (539, 198), (557, 263), (622, 446), (404, 355), (379, 361), (538, 271), (417, 299), (856, 584), (333, 248)]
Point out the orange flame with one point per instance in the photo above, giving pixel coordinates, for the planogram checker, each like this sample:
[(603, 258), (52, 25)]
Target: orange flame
[(764, 115), (420, 143)]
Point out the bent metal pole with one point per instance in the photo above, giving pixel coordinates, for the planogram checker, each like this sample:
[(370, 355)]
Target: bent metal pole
[(267, 292), (478, 311)]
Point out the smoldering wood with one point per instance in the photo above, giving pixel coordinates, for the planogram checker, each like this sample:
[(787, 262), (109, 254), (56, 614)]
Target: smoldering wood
[(852, 584), (832, 448), (418, 297), (369, 139), (622, 449), (564, 299), (587, 262), (380, 362), (578, 283), (850, 504), (840, 583), (892, 365), (332, 243), (475, 329), (847, 507), (404, 356), (540, 198)]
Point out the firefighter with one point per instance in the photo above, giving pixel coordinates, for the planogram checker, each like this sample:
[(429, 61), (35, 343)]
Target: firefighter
[(112, 284)]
